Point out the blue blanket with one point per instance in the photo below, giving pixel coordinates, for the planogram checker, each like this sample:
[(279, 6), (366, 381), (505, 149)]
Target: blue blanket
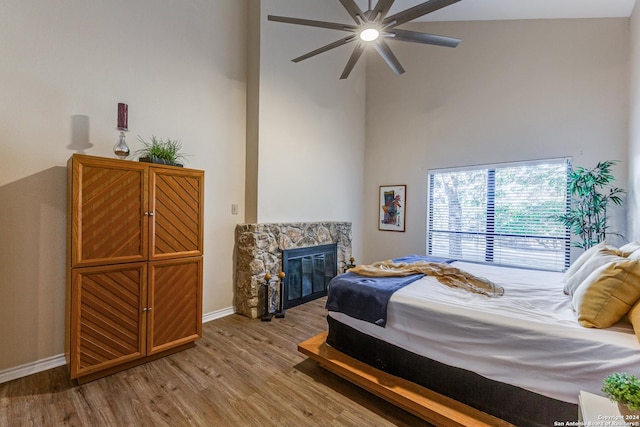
[(366, 298)]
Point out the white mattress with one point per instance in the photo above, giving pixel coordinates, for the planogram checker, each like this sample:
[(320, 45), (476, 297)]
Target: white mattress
[(529, 337)]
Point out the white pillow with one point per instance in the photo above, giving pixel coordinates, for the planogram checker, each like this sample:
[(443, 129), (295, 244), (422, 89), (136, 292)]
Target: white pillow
[(584, 257), (634, 255), (597, 259), (629, 248)]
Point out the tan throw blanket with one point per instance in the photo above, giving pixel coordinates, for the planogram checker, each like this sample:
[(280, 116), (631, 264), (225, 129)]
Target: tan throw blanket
[(446, 274)]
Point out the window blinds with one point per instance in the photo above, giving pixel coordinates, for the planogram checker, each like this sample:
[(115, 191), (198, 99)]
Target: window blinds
[(502, 214)]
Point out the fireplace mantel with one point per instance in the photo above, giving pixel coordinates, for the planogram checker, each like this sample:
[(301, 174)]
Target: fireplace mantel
[(259, 250)]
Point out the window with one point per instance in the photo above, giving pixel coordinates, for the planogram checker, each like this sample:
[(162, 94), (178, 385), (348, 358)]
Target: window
[(502, 214)]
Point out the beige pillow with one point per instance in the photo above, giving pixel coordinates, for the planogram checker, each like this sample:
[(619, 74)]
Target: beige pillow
[(584, 257), (597, 259), (634, 318), (607, 294), (629, 248)]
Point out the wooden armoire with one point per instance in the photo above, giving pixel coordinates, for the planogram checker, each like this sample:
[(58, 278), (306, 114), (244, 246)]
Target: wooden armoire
[(134, 263)]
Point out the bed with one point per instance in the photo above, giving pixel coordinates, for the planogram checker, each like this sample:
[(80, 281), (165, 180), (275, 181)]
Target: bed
[(522, 357)]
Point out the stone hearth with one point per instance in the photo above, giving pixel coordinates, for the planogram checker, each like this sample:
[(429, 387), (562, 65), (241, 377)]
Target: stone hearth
[(259, 250)]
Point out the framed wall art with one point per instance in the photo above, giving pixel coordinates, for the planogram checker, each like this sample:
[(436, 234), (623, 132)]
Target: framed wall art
[(391, 206)]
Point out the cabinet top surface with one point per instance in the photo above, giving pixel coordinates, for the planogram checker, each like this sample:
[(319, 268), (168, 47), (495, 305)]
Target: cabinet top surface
[(121, 162), (595, 408)]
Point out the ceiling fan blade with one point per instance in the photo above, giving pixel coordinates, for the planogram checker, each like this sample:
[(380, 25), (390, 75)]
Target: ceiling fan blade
[(425, 38), (385, 52), (330, 46), (382, 8), (357, 52), (312, 23), (353, 9), (417, 11)]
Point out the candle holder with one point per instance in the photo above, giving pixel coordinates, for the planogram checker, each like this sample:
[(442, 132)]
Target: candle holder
[(281, 310), (266, 317), (350, 265), (121, 148)]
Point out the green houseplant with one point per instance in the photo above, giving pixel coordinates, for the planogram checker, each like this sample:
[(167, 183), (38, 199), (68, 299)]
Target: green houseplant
[(591, 192), (623, 389), (157, 150)]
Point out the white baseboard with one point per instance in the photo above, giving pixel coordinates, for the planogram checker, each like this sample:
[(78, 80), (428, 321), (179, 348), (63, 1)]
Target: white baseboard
[(218, 314), (32, 368), (10, 374)]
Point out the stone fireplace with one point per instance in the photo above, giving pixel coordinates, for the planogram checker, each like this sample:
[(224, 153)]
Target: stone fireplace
[(259, 250)]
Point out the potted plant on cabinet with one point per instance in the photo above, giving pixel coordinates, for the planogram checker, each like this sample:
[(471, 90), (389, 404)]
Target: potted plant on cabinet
[(591, 192), (624, 389), (157, 150)]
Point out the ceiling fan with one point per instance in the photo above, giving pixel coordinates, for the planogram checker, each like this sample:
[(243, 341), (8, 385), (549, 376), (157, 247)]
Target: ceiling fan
[(372, 27)]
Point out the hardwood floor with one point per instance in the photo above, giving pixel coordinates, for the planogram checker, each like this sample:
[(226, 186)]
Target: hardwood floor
[(243, 372)]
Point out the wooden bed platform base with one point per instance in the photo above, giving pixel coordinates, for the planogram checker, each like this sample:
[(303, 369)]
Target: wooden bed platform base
[(422, 402)]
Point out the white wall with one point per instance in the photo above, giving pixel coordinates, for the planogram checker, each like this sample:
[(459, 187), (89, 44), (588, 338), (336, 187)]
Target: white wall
[(181, 67), (310, 124), (633, 216), (512, 90)]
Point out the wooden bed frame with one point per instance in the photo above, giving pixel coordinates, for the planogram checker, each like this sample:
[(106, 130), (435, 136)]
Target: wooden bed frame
[(420, 401)]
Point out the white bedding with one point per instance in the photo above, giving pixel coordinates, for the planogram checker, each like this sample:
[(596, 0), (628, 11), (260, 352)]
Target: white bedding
[(529, 337)]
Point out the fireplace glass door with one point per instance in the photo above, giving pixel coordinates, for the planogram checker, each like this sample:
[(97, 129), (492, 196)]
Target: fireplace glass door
[(307, 273)]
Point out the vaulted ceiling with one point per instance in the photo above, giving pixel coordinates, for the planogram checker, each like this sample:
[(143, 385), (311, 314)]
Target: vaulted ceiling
[(472, 10)]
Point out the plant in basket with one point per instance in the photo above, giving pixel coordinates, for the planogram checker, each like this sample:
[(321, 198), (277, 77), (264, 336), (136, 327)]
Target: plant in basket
[(157, 150)]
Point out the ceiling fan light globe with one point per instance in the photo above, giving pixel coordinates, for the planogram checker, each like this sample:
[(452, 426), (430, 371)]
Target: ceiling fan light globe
[(369, 34)]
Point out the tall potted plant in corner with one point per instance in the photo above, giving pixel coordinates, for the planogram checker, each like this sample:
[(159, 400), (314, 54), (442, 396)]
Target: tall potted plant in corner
[(591, 191)]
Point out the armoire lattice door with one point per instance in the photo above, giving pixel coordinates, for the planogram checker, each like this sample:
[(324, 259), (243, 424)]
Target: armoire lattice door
[(107, 313), (175, 198), (108, 221), (174, 289), (134, 250)]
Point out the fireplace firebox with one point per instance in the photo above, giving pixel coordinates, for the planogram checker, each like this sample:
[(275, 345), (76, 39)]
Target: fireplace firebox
[(307, 273)]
